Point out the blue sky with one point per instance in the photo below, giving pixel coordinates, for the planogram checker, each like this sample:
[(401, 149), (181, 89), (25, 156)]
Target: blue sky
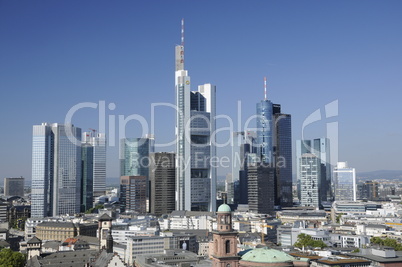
[(56, 54)]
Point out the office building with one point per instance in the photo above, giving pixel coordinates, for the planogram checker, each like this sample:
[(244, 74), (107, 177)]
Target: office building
[(134, 156), (344, 182), (162, 176), (310, 171), (243, 143), (87, 166), (98, 143), (320, 147), (133, 193), (14, 187), (302, 147), (283, 158), (265, 131), (368, 190), (195, 185), (261, 197), (274, 147), (56, 170)]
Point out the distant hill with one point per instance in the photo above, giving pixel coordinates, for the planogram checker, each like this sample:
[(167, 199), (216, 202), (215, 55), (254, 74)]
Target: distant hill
[(380, 174)]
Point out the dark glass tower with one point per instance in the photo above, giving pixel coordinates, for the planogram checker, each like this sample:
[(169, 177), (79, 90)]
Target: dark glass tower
[(87, 176)]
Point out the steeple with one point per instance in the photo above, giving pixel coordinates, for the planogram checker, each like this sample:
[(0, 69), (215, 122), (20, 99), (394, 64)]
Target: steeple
[(265, 88)]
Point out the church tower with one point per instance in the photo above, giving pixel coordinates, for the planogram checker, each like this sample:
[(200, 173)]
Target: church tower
[(225, 240), (104, 228)]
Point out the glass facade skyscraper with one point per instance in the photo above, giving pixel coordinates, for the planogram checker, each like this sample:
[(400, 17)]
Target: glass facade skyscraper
[(344, 182), (134, 156), (265, 131), (87, 177), (195, 141), (56, 170), (283, 160)]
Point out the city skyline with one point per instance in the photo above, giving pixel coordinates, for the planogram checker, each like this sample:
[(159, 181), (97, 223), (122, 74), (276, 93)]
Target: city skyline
[(108, 54)]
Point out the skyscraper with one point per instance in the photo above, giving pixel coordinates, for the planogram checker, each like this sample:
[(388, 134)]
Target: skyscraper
[(162, 176), (274, 147), (195, 141), (283, 158), (134, 156), (310, 172), (56, 170), (99, 164), (320, 147), (243, 144), (133, 193), (265, 131), (87, 176), (14, 187), (261, 196), (322, 151), (344, 182)]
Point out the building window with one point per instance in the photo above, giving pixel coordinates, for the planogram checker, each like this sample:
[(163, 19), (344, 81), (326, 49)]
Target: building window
[(227, 246)]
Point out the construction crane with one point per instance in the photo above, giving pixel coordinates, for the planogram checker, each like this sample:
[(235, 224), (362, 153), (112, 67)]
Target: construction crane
[(262, 225)]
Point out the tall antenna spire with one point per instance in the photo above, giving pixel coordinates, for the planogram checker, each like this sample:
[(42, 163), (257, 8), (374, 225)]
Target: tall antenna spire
[(265, 88), (182, 32)]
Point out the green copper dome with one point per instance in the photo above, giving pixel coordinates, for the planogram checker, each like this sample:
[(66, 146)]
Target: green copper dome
[(224, 208), (266, 255)]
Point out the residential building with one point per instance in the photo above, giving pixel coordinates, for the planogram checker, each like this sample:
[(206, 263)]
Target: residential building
[(344, 182), (162, 176), (14, 187), (56, 170)]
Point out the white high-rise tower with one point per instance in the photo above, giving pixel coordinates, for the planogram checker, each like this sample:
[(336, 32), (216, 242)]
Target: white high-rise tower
[(195, 141)]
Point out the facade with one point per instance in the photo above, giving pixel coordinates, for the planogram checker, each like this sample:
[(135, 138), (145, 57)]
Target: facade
[(302, 147), (99, 164), (321, 149), (144, 245), (87, 157), (344, 182), (224, 252), (134, 156), (368, 190), (14, 187), (162, 175), (274, 147), (265, 128), (195, 186), (60, 231), (243, 144), (283, 158), (260, 188), (133, 193), (309, 180), (56, 170)]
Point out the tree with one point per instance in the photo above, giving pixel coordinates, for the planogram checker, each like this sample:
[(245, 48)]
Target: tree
[(97, 207), (304, 240), (389, 242), (9, 258)]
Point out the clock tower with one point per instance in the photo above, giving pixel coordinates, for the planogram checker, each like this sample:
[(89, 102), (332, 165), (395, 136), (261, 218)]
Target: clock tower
[(225, 240)]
